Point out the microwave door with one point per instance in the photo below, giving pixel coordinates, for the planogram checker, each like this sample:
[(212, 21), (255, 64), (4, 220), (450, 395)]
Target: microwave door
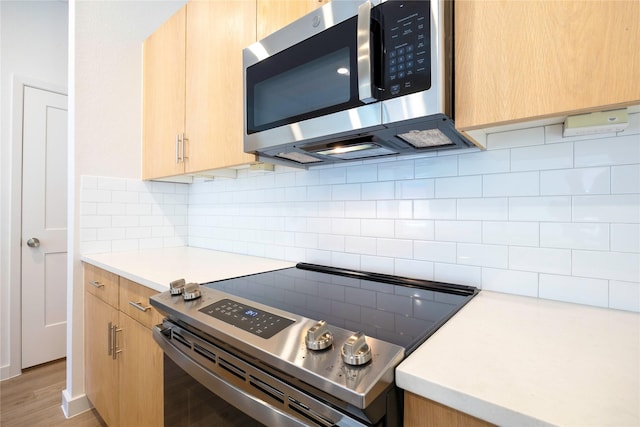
[(310, 89)]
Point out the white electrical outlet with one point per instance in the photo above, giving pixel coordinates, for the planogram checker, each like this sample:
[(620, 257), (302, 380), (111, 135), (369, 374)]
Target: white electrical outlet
[(594, 123)]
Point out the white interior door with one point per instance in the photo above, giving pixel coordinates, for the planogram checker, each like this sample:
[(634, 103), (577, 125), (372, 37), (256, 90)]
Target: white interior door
[(44, 226)]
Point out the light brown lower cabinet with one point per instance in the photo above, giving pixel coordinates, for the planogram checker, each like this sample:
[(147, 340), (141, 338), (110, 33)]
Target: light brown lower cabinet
[(123, 364), (422, 412)]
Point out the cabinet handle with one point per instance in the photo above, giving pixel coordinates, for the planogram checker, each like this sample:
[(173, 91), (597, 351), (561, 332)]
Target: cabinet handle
[(95, 284), (114, 331), (177, 148), (109, 340), (184, 143), (139, 306)]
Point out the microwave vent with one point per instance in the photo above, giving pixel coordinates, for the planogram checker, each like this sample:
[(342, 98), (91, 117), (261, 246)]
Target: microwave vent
[(426, 138), (299, 157)]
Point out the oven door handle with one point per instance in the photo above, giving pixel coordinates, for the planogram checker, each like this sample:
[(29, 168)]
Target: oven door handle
[(365, 91)]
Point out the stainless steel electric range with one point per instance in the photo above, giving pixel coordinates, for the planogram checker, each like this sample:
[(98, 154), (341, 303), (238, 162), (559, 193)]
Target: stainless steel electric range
[(307, 345)]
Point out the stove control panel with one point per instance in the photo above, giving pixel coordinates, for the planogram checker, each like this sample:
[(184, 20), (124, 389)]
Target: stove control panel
[(247, 318)]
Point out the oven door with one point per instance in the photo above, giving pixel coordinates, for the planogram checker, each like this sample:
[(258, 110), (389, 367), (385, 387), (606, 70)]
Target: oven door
[(206, 385), (321, 85)]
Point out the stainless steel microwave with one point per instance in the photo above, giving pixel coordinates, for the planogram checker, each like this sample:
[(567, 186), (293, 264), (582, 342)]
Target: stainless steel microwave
[(352, 80)]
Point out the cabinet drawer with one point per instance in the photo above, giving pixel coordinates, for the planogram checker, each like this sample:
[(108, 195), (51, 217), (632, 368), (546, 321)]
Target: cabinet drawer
[(134, 301), (102, 284)]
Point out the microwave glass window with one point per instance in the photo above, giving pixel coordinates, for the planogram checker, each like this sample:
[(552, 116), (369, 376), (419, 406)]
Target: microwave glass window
[(312, 86)]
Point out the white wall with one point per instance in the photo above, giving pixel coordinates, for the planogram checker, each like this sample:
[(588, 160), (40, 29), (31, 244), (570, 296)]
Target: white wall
[(106, 106), (33, 49)]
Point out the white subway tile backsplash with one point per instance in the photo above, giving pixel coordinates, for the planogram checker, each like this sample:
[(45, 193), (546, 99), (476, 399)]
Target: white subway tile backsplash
[(413, 268), (344, 192), (511, 184), (510, 281), (415, 189), (124, 214), (536, 214), (624, 295), (435, 167), (606, 265), (574, 289), (625, 238), (593, 236), (124, 197), (614, 208), (458, 231), (378, 228), (395, 209), (434, 209), (489, 209), (361, 173), (392, 171), (435, 251), (543, 157), (575, 181), (416, 229), (542, 260), (365, 209), (625, 179), (378, 190), (484, 162), (461, 274), (468, 186), (618, 150), (553, 208), (511, 233), (516, 138), (360, 245), (496, 256), (105, 183), (395, 248), (331, 242)]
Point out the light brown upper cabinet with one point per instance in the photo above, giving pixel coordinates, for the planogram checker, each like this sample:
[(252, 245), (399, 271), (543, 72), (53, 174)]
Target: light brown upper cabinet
[(163, 98), (217, 31), (275, 14), (193, 102), (518, 61)]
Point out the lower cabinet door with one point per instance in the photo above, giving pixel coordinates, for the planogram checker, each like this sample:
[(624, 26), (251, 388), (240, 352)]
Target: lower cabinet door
[(101, 370), (141, 376)]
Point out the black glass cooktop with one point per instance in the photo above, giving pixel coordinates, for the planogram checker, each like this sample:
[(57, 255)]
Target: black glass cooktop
[(399, 310)]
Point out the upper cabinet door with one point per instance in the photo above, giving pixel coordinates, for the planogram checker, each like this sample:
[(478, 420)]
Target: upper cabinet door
[(519, 61), (275, 14), (164, 99), (217, 31)]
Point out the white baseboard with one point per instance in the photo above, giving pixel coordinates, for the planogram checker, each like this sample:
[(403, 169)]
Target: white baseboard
[(8, 371), (74, 406)]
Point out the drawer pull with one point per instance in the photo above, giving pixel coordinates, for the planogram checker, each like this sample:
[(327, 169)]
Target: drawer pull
[(139, 306), (96, 284)]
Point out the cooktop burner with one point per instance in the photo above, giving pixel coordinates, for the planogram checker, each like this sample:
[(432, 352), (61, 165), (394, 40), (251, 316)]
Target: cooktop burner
[(397, 310)]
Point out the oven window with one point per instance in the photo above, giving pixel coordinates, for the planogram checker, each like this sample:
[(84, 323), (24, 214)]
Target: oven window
[(315, 77), (187, 403)]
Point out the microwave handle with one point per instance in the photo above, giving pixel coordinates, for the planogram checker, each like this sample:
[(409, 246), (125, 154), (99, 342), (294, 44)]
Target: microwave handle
[(364, 53)]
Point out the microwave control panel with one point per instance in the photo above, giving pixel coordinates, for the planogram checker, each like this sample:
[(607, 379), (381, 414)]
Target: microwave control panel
[(406, 56)]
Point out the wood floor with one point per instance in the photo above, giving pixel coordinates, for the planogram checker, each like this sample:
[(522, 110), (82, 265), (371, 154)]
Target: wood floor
[(34, 399)]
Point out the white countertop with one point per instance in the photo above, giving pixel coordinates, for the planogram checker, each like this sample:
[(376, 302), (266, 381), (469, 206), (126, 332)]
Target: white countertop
[(155, 268), (519, 361)]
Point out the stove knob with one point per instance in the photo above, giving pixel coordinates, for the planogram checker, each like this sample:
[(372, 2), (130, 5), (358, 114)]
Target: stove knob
[(356, 351), (191, 292), (176, 287), (319, 337)]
